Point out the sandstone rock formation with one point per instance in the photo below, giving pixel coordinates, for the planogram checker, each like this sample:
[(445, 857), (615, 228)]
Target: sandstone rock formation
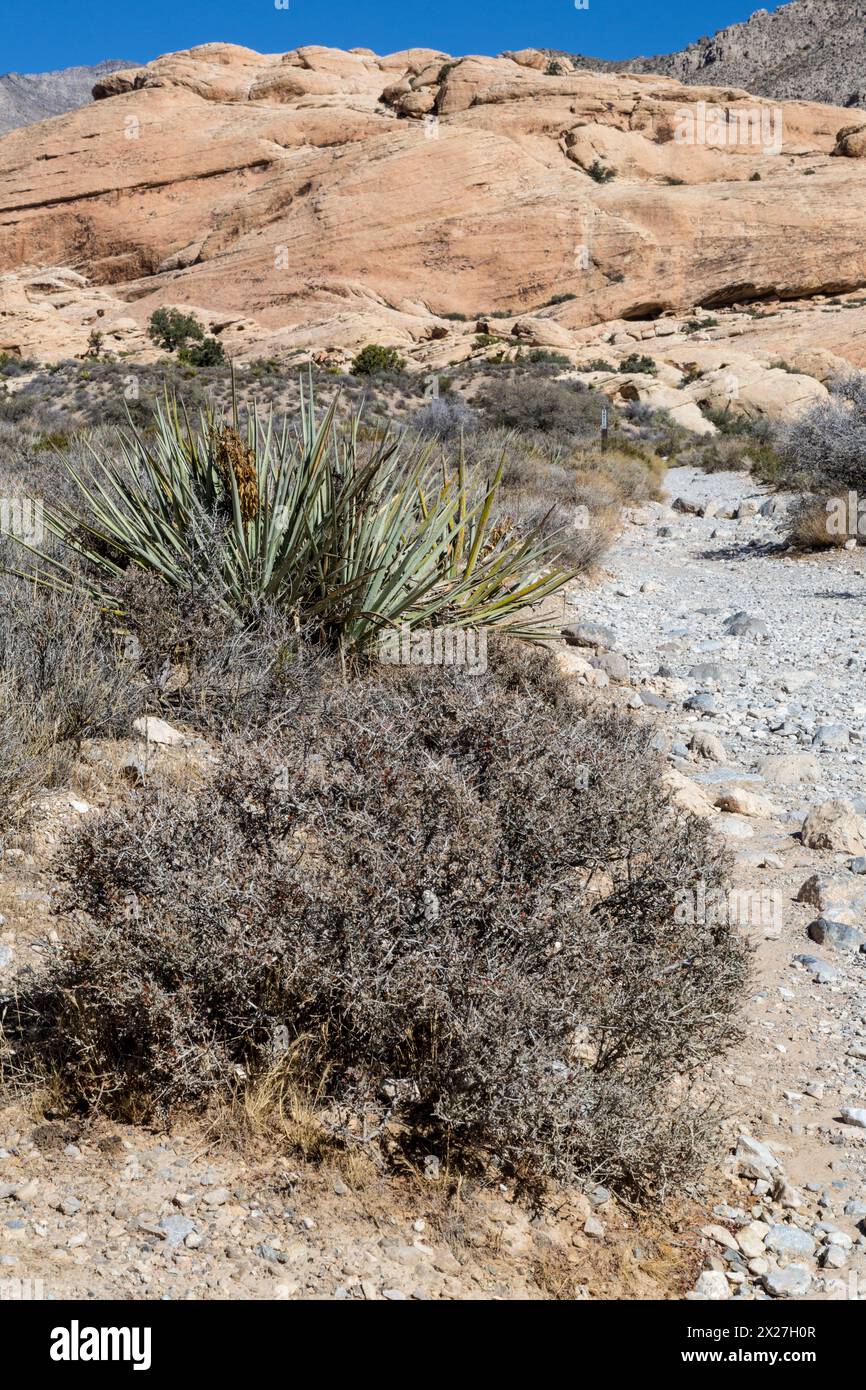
[(317, 200)]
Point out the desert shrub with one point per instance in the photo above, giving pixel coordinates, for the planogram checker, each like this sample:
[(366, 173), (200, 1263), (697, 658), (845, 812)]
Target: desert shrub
[(638, 362), (170, 329), (579, 532), (13, 365), (446, 417), (548, 406), (744, 452), (825, 448), (208, 353), (14, 408), (810, 525), (733, 423), (597, 364), (456, 898), (374, 358), (634, 472), (199, 666), (63, 679), (344, 527), (601, 173)]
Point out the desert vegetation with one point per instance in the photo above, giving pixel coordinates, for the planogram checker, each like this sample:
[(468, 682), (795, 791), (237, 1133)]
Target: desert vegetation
[(372, 902), (822, 457), (439, 903)]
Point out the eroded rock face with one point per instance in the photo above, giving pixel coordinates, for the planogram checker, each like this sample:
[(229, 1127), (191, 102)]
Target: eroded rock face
[(336, 198)]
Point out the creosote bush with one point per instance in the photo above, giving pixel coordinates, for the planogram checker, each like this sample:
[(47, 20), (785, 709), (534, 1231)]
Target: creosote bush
[(454, 898), (552, 407), (375, 358)]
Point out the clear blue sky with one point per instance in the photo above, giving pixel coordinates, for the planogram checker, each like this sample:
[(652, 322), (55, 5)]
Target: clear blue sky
[(45, 34)]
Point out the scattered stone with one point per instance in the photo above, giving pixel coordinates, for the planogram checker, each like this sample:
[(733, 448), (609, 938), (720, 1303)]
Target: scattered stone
[(751, 1240), (821, 970), (708, 746), (704, 704), (571, 663), (176, 1229), (687, 794), (721, 1235), (711, 1285), (588, 635), (852, 1115), (741, 625), (831, 736), (157, 731), (789, 1240), (612, 664), (790, 769), (824, 931), (714, 671), (652, 700), (742, 802), (833, 1257), (793, 1282), (754, 1159)]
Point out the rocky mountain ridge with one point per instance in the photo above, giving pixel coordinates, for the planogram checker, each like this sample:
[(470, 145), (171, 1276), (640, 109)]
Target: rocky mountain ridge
[(35, 96), (814, 50)]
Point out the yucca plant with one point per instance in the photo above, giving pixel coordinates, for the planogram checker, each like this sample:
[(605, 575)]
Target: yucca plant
[(350, 542)]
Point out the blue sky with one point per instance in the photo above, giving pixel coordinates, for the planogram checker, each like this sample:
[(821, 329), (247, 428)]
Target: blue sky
[(46, 34)]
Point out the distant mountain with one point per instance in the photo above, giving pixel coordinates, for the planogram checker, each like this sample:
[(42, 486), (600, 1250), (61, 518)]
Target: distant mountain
[(811, 49), (33, 96)]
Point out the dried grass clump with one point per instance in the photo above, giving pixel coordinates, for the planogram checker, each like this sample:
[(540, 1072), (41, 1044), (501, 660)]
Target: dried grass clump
[(465, 944), (810, 526), (63, 679)]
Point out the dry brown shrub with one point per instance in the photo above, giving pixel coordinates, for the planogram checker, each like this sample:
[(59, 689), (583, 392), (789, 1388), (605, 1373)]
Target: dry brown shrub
[(459, 892)]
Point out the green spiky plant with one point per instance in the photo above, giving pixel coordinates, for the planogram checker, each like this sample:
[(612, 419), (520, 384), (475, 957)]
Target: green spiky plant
[(349, 542)]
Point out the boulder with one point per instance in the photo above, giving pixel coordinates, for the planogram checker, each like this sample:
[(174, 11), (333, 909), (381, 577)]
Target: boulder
[(687, 794), (835, 825), (740, 801)]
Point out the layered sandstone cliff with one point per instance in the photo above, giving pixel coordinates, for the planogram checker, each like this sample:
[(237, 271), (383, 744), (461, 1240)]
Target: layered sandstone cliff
[(324, 199)]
